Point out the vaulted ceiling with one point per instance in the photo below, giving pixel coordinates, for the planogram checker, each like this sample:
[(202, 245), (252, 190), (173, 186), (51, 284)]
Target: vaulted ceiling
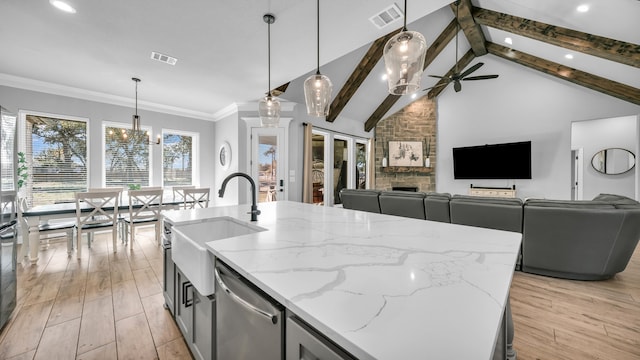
[(619, 60), (221, 49)]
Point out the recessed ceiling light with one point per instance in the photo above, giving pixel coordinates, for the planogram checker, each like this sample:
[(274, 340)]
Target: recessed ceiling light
[(508, 40), (61, 5), (583, 8), (384, 77), (568, 56), (414, 95)]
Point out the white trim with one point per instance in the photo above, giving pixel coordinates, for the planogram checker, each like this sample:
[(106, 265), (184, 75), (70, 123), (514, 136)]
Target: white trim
[(285, 106), (69, 91), (22, 136)]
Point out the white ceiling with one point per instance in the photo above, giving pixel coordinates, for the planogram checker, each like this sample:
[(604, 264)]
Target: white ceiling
[(221, 47)]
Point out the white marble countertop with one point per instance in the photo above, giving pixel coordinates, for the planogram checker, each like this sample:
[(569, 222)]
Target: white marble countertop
[(382, 287)]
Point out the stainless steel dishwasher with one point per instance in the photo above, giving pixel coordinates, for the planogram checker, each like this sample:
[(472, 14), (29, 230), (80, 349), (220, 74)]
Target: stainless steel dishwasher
[(250, 325)]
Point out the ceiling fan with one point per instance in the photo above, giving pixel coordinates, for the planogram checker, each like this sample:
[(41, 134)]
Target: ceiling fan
[(457, 77)]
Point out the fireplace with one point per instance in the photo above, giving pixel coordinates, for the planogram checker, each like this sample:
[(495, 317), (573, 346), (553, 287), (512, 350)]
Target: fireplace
[(405, 188)]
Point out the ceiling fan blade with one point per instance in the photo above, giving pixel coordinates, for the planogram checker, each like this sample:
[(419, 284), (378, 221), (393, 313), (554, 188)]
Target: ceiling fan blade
[(471, 69), (481, 77), (439, 77), (457, 86)]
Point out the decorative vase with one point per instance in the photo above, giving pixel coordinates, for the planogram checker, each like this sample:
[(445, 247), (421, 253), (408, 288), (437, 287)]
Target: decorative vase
[(427, 162), (384, 162)]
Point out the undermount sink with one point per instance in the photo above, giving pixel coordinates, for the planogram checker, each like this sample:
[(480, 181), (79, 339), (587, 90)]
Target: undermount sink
[(190, 254)]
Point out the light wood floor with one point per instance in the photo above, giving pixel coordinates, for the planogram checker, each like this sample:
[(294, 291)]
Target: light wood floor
[(564, 319), (109, 306), (105, 306)]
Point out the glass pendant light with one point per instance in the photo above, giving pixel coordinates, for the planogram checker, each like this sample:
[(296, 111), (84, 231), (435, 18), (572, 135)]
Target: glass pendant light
[(317, 88), (269, 106), (404, 60), (135, 124)]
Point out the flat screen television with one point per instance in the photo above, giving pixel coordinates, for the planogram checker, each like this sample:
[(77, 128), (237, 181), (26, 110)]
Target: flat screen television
[(495, 161)]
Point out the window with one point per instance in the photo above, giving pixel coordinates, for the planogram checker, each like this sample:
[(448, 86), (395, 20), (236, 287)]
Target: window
[(7, 151), (56, 154), (178, 157), (126, 158)]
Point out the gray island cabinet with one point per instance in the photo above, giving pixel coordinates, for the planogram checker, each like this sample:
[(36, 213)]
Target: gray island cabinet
[(347, 284)]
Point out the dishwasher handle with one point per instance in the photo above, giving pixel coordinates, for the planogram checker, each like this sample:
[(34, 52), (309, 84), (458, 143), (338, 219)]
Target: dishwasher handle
[(241, 301)]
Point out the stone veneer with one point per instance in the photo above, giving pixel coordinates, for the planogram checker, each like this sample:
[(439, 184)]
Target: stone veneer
[(415, 122)]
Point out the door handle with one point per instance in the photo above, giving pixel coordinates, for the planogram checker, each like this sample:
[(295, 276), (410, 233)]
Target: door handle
[(185, 294), (243, 302)]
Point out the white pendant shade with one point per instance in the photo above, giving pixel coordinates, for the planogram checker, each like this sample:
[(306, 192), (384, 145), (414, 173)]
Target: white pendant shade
[(269, 110), (404, 56), (317, 93), (317, 88)]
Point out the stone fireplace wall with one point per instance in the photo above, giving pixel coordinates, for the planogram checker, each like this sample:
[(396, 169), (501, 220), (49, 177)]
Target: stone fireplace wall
[(416, 122)]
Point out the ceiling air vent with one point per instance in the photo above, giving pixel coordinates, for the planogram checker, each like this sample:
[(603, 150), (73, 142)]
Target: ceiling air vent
[(163, 58), (386, 16)]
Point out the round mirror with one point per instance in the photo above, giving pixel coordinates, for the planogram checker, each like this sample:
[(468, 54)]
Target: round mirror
[(613, 161)]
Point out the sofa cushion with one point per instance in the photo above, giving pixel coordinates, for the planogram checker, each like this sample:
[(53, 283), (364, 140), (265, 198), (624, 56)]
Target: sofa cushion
[(484, 200), (360, 199), (403, 203), (619, 201), (493, 213), (436, 207), (574, 204)]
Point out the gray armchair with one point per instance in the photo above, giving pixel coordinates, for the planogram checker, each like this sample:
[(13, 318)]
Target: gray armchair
[(403, 203), (582, 240), (360, 199)]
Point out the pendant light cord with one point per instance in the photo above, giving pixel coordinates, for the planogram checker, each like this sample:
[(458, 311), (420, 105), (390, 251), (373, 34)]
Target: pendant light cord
[(269, 57), (404, 27), (136, 97), (318, 35)]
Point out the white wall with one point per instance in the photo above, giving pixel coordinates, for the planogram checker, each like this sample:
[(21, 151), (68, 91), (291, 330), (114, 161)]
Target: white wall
[(596, 135), (226, 129), (17, 99), (522, 104)]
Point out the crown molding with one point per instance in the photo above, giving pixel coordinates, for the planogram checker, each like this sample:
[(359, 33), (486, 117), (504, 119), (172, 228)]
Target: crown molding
[(69, 91)]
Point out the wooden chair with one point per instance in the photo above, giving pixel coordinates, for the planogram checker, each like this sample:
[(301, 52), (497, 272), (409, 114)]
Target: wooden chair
[(196, 198), (62, 226), (102, 214), (144, 209)]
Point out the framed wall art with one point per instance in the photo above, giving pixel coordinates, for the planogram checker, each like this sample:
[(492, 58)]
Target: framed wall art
[(405, 153)]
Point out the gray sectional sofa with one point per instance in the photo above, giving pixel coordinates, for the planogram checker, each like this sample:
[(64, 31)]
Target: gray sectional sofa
[(580, 240)]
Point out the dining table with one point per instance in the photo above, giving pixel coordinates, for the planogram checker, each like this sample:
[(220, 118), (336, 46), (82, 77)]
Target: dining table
[(34, 216)]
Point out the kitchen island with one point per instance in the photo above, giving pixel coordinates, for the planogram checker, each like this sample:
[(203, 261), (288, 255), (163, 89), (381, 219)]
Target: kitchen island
[(378, 286)]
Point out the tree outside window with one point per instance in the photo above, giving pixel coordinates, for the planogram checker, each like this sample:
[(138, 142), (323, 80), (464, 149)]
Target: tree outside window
[(177, 159), (56, 153), (126, 157)]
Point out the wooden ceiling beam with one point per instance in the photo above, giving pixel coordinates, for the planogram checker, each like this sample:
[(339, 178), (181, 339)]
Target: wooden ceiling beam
[(594, 82), (357, 77), (434, 50), (471, 29), (610, 49), (280, 89)]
